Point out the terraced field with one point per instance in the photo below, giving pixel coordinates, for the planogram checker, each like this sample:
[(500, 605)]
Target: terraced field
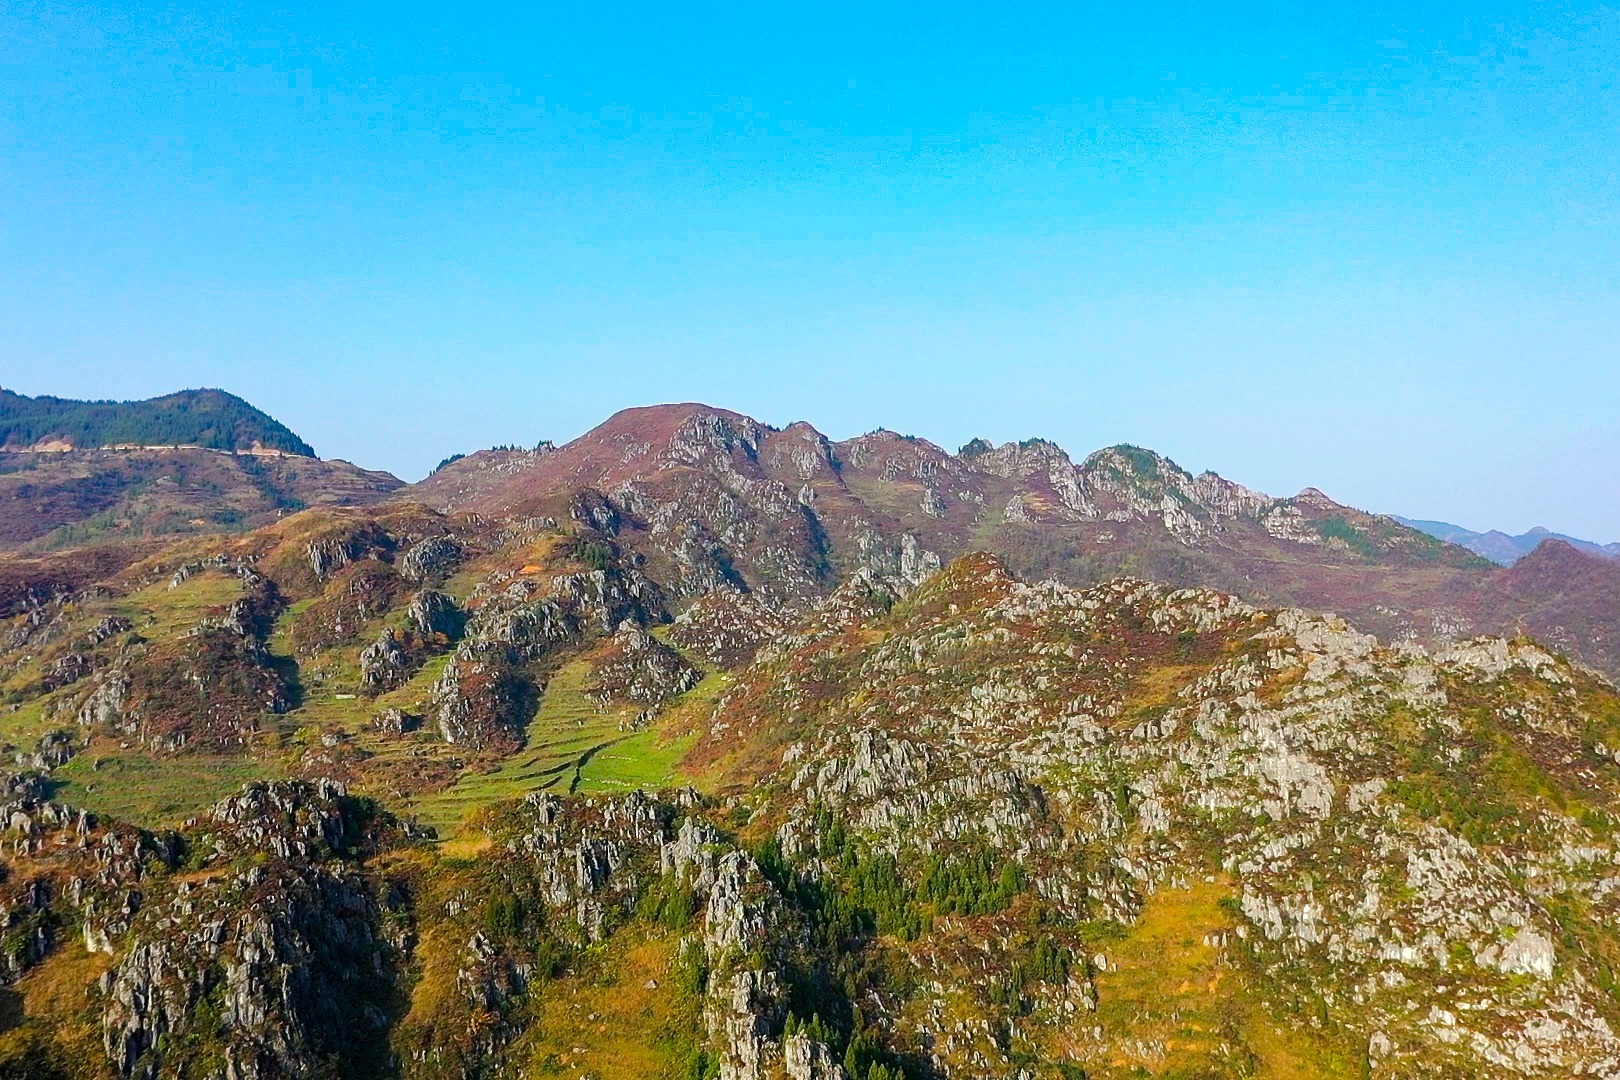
[(573, 744), (154, 790)]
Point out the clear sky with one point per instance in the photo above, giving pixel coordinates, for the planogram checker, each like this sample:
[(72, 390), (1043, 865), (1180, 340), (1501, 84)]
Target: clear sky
[(1374, 249)]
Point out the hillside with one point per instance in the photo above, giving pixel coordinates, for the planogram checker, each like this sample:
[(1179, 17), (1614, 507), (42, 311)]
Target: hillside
[(712, 499), (938, 825), (73, 498), (211, 419), (696, 748), (75, 473)]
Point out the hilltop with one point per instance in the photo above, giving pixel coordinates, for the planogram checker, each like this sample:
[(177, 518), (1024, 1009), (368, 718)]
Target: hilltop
[(93, 472), (211, 419)]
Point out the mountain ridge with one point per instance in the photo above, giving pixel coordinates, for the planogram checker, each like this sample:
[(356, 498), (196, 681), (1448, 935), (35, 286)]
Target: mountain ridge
[(1117, 483), (709, 495), (1500, 547), (205, 418)]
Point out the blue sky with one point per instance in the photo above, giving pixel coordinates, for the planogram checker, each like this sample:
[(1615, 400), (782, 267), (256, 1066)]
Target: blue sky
[(1372, 250)]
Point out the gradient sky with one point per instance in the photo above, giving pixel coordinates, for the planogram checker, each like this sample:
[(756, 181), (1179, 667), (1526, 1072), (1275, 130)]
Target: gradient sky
[(1374, 250)]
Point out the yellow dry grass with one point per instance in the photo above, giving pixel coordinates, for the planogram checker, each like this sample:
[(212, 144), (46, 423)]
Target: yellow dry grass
[(1169, 1006), (618, 1018)]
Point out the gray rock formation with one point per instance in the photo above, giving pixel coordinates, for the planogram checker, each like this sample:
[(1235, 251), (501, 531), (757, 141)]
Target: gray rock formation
[(435, 613), (384, 664), (431, 560)]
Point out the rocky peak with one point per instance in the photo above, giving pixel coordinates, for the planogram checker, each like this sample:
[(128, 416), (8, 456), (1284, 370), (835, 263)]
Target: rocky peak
[(663, 436), (891, 455), (1315, 499), (1018, 460), (799, 450)]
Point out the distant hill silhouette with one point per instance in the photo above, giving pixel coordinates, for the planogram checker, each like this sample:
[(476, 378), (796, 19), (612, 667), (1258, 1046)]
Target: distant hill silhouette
[(1500, 547)]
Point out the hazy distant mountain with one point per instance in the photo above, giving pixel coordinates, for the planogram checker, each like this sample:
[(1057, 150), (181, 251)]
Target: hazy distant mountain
[(1498, 546)]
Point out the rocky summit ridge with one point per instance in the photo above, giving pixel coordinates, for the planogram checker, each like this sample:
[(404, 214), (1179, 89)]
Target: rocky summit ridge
[(712, 497)]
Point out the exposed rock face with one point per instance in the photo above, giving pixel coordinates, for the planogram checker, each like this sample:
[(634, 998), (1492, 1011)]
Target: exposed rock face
[(594, 861), (531, 618), (431, 560), (288, 974), (435, 613), (274, 961), (482, 701), (726, 628), (595, 510), (67, 670), (54, 748), (395, 721), (806, 1059), (289, 956), (105, 705), (487, 693), (641, 669), (108, 628), (384, 664), (332, 553)]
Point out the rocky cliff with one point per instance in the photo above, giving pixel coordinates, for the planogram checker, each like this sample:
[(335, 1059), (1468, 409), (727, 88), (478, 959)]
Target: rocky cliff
[(717, 501), (967, 826)]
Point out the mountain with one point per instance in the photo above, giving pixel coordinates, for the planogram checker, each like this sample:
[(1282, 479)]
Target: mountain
[(711, 499), (211, 419), (1558, 594), (71, 498), (1499, 547), (77, 472), (937, 825), (700, 748), (793, 494)]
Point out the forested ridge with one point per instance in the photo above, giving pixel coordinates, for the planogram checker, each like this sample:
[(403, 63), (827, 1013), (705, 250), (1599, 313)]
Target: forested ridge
[(207, 418)]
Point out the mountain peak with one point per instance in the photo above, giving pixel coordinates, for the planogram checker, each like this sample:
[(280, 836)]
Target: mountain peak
[(656, 423)]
